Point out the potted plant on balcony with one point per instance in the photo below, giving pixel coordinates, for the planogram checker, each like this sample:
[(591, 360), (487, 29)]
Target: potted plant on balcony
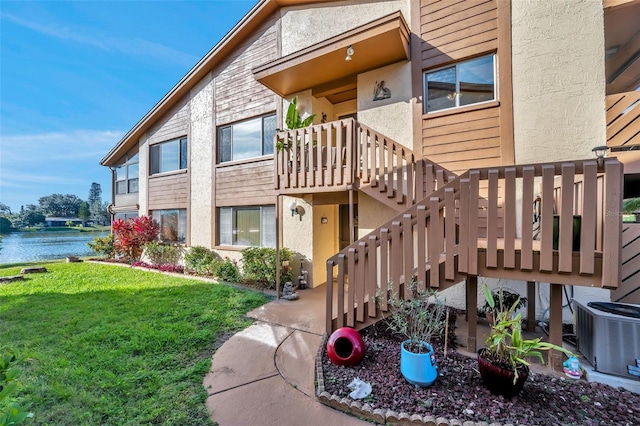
[(503, 363), (294, 120), (418, 318)]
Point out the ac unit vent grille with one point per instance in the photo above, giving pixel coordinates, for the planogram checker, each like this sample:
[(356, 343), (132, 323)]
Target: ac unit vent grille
[(609, 342)]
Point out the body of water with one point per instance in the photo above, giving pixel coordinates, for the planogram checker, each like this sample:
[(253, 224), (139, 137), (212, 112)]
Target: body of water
[(42, 245)]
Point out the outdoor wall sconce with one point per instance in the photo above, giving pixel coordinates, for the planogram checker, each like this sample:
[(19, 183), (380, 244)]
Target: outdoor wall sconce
[(296, 209), (350, 53), (600, 152), (324, 220)]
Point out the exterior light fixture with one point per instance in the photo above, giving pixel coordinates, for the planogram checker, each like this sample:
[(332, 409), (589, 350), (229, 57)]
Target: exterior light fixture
[(296, 209), (350, 53), (600, 152)]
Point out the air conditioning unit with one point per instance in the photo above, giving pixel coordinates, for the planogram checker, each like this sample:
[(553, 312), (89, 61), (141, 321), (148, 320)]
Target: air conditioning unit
[(608, 335)]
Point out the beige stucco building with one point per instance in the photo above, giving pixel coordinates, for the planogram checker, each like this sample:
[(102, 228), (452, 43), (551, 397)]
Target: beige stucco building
[(412, 98)]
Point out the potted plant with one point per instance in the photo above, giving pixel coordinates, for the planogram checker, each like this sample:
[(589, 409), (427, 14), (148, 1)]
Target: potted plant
[(503, 363), (418, 319), (294, 120), (504, 299)]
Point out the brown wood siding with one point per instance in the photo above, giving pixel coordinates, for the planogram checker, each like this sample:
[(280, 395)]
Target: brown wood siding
[(462, 141), (457, 30), (237, 93), (174, 124), (476, 135), (169, 192), (245, 184)]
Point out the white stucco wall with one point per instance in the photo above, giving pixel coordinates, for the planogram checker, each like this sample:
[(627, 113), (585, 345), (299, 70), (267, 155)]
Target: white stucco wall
[(392, 116), (298, 232), (558, 79), (201, 150), (371, 214), (303, 26)]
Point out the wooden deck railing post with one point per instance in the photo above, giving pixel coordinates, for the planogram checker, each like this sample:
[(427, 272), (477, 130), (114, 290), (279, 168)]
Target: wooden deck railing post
[(555, 325), (472, 312)]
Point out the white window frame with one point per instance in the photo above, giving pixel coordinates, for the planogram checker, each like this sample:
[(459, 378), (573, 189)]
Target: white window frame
[(456, 93), (132, 159), (183, 158), (227, 226), (265, 150), (181, 230)]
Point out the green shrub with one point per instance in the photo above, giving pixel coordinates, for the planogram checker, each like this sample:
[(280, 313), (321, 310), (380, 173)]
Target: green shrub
[(11, 412), (228, 270), (259, 264), (103, 246), (162, 254), (201, 260)]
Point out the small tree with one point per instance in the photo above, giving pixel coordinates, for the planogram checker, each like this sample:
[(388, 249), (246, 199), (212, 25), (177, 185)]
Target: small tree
[(131, 235)]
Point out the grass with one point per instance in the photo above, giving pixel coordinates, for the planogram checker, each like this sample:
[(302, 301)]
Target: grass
[(108, 345)]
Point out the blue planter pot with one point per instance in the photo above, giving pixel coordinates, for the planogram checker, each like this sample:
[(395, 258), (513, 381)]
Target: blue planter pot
[(418, 369)]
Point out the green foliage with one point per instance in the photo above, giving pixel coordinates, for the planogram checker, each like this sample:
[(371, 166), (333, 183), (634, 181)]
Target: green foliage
[(228, 270), (294, 120), (259, 264), (505, 344), (201, 260), (631, 205), (118, 346), (11, 412), (5, 225), (162, 254), (505, 299), (59, 205), (103, 246), (418, 318)]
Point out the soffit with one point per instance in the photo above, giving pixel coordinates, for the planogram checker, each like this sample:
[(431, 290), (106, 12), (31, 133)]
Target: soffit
[(322, 67), (622, 44)]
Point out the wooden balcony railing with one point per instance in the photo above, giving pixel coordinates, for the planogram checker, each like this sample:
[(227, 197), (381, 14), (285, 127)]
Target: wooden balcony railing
[(442, 236), (332, 156)]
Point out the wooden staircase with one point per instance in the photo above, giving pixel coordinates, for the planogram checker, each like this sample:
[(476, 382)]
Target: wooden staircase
[(445, 229)]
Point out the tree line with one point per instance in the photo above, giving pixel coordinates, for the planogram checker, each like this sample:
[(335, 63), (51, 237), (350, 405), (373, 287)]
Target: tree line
[(57, 205)]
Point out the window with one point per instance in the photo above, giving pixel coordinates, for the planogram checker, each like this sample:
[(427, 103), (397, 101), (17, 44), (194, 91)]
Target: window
[(253, 226), (172, 224), (125, 215), (246, 139), (169, 156), (127, 175), (465, 83)]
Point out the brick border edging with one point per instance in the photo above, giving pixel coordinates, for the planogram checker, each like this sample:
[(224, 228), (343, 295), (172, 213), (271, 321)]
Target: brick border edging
[(379, 415)]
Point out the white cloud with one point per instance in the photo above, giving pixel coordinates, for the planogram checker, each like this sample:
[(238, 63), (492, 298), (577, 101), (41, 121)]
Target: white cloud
[(135, 47)]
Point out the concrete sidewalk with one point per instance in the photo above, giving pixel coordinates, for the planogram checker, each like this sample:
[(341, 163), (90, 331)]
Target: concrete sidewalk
[(264, 375)]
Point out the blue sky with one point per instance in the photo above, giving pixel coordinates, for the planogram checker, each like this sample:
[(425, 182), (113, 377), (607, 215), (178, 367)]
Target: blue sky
[(77, 75)]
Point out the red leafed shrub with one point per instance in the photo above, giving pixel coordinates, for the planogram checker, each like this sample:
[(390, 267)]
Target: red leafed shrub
[(131, 235)]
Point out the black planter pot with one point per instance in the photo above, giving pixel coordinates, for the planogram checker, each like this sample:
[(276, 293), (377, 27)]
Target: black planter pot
[(498, 380)]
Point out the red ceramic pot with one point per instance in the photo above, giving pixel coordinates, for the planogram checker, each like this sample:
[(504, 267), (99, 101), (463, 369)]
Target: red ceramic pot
[(345, 347), (500, 381)]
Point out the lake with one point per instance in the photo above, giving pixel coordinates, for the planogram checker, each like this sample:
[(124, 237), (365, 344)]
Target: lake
[(42, 245)]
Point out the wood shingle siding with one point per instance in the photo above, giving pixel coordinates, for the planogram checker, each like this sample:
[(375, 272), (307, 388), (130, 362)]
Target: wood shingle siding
[(173, 125), (171, 191), (237, 93), (245, 184)]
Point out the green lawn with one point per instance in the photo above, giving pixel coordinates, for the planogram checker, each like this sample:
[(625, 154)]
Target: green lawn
[(107, 345)]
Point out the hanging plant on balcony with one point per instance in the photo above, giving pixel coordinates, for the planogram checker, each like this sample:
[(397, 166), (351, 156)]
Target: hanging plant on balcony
[(293, 121)]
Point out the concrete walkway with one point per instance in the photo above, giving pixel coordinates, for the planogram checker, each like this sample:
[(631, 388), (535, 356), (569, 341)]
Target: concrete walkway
[(264, 375)]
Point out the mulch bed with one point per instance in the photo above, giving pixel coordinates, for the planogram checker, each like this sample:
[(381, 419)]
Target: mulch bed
[(458, 392)]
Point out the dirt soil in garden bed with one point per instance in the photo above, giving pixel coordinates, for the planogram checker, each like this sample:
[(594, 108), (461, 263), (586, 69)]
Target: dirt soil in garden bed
[(458, 392)]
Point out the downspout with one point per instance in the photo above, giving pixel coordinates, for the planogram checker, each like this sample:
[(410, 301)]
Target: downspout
[(278, 229), (113, 194)]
